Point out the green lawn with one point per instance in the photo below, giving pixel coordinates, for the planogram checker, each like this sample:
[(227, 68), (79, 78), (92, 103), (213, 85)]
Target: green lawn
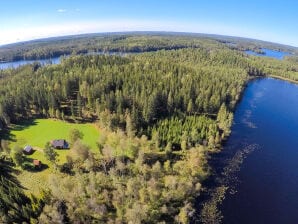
[(36, 133)]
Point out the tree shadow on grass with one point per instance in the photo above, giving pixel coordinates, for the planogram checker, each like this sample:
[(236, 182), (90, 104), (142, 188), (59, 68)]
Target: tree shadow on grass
[(6, 134), (29, 166), (8, 171), (24, 125)]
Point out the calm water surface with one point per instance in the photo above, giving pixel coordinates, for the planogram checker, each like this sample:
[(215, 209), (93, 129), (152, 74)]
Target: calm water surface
[(5, 65), (15, 64), (56, 60), (267, 191), (270, 53)]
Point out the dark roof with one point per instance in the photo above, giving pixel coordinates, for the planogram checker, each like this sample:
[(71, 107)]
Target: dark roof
[(59, 143), (36, 162), (28, 148)]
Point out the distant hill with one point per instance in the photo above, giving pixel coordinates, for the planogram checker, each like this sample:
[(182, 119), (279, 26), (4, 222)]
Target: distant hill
[(125, 42)]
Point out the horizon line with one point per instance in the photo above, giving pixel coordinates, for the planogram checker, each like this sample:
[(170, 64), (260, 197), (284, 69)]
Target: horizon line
[(141, 31)]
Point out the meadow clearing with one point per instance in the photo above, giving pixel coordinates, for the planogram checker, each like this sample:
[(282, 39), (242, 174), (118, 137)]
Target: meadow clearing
[(37, 133)]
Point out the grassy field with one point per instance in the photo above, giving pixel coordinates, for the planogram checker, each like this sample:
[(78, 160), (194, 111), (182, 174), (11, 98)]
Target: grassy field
[(36, 133), (39, 131)]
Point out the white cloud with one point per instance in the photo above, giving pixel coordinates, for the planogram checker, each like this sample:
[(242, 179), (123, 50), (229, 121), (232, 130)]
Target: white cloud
[(61, 10)]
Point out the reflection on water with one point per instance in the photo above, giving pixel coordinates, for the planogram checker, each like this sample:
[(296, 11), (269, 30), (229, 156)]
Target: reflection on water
[(55, 60), (257, 171), (15, 64), (268, 179), (269, 53)]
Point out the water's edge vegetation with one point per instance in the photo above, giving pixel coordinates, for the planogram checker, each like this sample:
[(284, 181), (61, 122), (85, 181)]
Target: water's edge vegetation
[(266, 115), (161, 115)]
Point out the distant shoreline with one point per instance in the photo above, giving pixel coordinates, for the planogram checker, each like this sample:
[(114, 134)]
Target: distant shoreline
[(283, 78)]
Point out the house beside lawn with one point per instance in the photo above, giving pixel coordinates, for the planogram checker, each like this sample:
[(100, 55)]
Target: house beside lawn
[(60, 144), (36, 163), (28, 150)]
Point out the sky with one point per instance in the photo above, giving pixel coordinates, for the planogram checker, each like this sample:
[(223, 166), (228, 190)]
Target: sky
[(270, 20)]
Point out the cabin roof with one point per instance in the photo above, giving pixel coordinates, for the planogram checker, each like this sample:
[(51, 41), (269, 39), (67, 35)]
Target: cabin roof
[(36, 162), (61, 143), (28, 148)]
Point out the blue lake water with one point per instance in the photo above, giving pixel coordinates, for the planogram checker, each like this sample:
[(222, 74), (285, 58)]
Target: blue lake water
[(269, 53), (267, 187), (15, 64), (56, 60), (5, 65)]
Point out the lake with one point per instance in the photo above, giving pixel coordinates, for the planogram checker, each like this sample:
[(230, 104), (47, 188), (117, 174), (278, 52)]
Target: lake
[(15, 64), (265, 190), (55, 60), (269, 53)]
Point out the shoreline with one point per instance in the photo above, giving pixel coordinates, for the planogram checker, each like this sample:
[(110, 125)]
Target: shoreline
[(216, 194), (282, 78)]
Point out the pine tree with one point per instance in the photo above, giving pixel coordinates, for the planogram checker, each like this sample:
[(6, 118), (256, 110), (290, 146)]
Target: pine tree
[(17, 155), (50, 153)]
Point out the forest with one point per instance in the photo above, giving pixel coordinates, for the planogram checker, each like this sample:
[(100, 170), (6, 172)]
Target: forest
[(161, 114), (126, 42), (80, 44)]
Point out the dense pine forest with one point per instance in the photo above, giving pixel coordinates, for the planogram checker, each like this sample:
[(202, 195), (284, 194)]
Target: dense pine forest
[(161, 114), (126, 42)]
